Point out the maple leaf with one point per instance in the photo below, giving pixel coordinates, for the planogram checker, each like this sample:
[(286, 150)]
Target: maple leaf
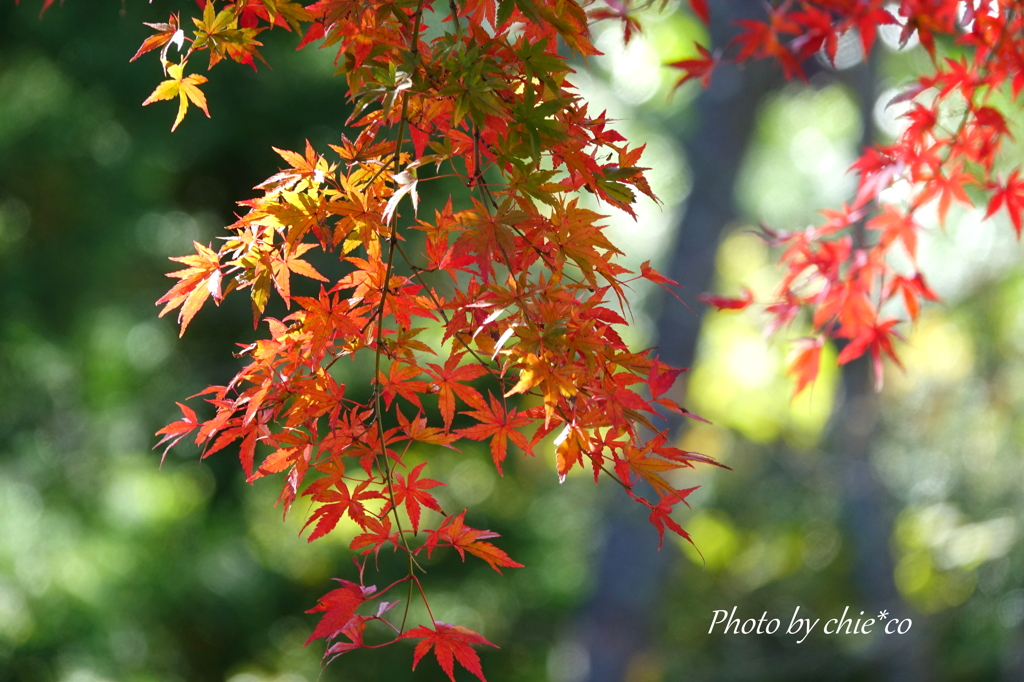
[(699, 68), (683, 457), (280, 13), (554, 382), (340, 502), (276, 462), (417, 429), (867, 17), (199, 281), (185, 88), (450, 643), (878, 169), (660, 515), (169, 34), (290, 262), (805, 364), (895, 224), (219, 32), (875, 337), (413, 492), (465, 539), (354, 631), (619, 9), (948, 186), (992, 118), (174, 432), (913, 290), (760, 40), (726, 303), (488, 237), (652, 275), (638, 461), (700, 8), (449, 384), (378, 533), (1011, 195), (818, 33), (339, 609), (251, 433), (498, 425), (571, 446), (480, 11), (784, 312), (661, 377), (310, 166)]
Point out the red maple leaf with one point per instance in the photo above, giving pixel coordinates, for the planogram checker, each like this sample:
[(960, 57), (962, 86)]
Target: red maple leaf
[(402, 379), (726, 303), (339, 608), (378, 533), (174, 432), (339, 502), (896, 224), (412, 492), (450, 643), (455, 533), (662, 377), (618, 9), (948, 187), (449, 384), (699, 68), (913, 290), (875, 338), (700, 8), (1011, 195), (660, 515)]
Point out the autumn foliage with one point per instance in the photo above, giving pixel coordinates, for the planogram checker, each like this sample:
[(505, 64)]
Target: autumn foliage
[(842, 270), (512, 289)]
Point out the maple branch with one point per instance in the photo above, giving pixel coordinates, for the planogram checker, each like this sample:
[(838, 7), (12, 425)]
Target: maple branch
[(562, 353), (423, 594), (455, 17), (378, 390), (408, 602), (611, 474), (382, 457)]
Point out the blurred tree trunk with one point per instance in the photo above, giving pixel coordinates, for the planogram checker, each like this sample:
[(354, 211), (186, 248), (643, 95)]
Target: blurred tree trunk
[(614, 629), (868, 508), (867, 522)]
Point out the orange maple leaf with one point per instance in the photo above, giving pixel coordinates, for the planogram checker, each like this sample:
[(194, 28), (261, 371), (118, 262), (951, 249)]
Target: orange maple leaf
[(198, 282), (498, 425)]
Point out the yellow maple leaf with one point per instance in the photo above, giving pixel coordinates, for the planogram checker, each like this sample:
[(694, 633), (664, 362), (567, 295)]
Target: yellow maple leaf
[(183, 87)]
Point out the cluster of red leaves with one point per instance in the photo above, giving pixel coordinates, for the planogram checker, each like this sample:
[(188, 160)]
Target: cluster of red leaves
[(947, 153), (514, 276)]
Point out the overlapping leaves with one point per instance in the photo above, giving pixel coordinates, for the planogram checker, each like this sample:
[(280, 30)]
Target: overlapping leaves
[(538, 299)]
